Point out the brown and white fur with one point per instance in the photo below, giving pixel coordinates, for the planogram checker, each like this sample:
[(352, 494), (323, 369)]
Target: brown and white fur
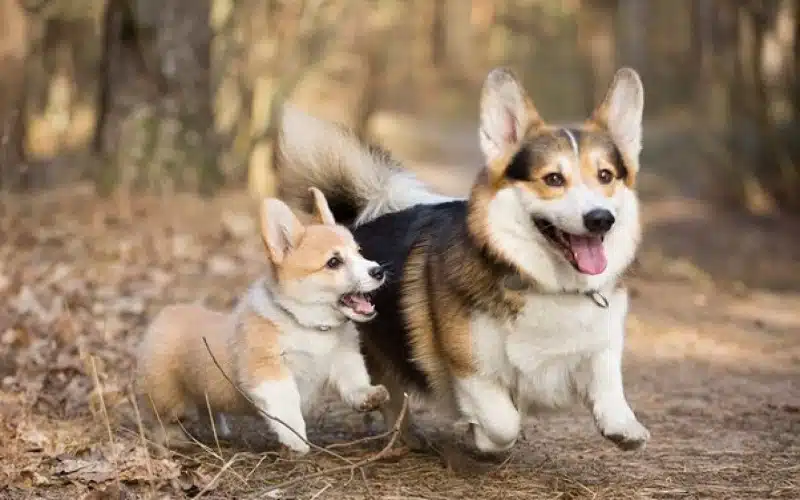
[(292, 333), (508, 301)]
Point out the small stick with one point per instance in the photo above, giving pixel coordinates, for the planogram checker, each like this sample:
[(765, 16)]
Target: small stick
[(107, 421), (210, 484), (358, 465), (140, 424), (267, 415), (160, 422), (213, 424)]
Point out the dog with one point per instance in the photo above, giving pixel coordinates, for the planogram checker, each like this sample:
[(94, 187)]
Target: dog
[(292, 333), (509, 301)]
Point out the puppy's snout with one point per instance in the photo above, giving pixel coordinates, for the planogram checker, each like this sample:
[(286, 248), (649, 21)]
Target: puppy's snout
[(377, 273), (598, 221)]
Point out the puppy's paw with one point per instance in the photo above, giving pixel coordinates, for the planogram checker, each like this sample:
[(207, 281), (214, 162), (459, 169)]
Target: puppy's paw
[(369, 398), (629, 436), (295, 448), (293, 445)]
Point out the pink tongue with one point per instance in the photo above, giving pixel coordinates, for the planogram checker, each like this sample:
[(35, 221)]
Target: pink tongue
[(361, 305), (589, 254)]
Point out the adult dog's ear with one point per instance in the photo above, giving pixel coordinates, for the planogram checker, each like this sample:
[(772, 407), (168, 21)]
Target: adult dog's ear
[(281, 230), (506, 114), (621, 114)]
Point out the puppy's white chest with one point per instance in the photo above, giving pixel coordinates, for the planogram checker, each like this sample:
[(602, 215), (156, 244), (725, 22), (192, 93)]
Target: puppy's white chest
[(309, 355)]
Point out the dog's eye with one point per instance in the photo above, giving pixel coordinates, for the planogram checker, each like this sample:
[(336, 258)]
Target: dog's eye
[(605, 176), (554, 180), (334, 263)]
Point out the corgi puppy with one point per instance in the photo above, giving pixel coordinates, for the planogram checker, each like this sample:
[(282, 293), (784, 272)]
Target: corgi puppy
[(508, 301), (293, 333)]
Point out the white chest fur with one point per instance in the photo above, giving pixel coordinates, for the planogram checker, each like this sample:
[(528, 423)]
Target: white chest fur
[(309, 355), (540, 356)]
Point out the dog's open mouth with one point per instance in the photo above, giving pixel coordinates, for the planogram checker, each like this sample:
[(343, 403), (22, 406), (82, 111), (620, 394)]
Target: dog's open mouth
[(584, 252), (358, 304)]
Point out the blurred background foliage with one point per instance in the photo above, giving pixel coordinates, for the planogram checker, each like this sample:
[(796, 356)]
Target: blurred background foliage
[(166, 95)]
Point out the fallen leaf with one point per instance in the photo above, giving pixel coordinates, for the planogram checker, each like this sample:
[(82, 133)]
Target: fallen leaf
[(35, 439), (88, 471)]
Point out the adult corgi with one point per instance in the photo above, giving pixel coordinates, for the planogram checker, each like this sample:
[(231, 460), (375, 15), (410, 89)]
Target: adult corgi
[(508, 301)]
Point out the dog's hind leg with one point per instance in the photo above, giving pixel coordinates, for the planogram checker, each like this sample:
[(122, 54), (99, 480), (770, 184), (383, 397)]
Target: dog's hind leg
[(391, 412)]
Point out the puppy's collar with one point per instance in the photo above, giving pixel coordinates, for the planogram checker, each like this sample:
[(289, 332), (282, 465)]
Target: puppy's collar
[(321, 328), (286, 311), (518, 283)]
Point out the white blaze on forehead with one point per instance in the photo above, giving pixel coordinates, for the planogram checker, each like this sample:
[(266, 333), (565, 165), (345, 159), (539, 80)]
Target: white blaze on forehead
[(572, 141)]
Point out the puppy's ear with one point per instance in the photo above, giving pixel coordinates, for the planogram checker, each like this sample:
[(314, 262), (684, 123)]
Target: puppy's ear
[(321, 209), (281, 230), (506, 114), (621, 114)]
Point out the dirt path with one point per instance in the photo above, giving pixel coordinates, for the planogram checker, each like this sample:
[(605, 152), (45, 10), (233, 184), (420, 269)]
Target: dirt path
[(712, 362)]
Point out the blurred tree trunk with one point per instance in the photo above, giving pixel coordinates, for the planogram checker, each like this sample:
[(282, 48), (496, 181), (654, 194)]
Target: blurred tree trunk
[(765, 165), (13, 51), (459, 46), (701, 53), (634, 18), (796, 64), (263, 53), (438, 34), (156, 99), (597, 47), (60, 97)]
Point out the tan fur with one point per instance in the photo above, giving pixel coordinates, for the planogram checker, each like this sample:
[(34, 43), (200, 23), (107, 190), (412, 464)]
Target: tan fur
[(175, 369), (257, 349), (319, 243)]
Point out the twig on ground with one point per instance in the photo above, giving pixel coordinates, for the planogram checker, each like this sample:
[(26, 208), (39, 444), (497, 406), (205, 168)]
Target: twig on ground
[(213, 424), (99, 388), (267, 415), (219, 474), (360, 465), (351, 466), (140, 425), (320, 492), (197, 442)]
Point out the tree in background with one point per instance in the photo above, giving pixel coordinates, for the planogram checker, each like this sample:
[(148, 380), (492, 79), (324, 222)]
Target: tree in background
[(182, 94)]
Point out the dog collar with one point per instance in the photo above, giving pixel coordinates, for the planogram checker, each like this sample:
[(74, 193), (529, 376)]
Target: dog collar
[(517, 283), (290, 314), (321, 328)]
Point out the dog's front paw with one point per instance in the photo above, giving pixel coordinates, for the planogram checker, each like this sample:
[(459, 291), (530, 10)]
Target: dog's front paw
[(370, 398), (628, 436)]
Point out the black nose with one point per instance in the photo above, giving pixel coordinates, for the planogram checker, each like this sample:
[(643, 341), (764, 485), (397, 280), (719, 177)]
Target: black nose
[(377, 272), (598, 220)]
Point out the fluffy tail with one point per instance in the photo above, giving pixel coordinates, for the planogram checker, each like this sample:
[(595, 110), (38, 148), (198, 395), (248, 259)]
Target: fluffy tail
[(361, 182)]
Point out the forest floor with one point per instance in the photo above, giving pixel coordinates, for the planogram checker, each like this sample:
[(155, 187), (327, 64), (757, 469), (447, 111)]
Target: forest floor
[(712, 362)]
